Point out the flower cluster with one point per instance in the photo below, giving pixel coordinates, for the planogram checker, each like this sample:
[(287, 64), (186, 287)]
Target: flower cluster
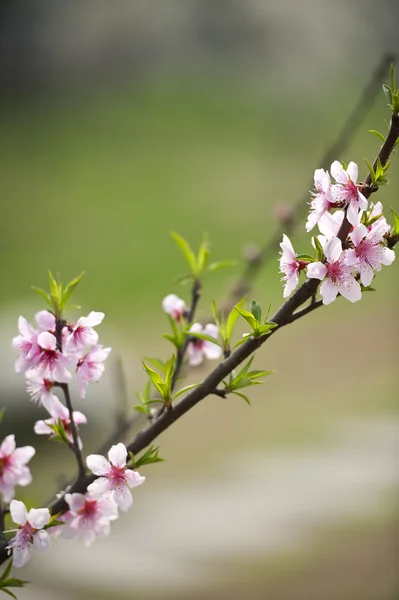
[(343, 265), (198, 347)]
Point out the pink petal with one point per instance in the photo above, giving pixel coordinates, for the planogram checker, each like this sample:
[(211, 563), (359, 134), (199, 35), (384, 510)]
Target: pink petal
[(291, 284), (75, 501), (99, 487), (47, 341), (333, 249), (118, 454), (8, 445), (353, 171), (338, 172), (366, 274), (388, 256), (316, 270), (39, 517), (195, 356), (41, 541), (45, 320), (21, 555), (93, 319), (351, 290), (196, 328), (133, 478), (212, 330), (98, 464), (352, 213), (123, 497), (287, 248), (18, 511), (24, 454), (328, 291), (359, 232)]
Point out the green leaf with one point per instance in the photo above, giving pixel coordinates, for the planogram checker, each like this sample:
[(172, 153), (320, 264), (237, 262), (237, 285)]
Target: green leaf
[(388, 93), (9, 593), (71, 287), (141, 409), (243, 396), (215, 314), (319, 249), (203, 255), (203, 336), (159, 364), (395, 221), (305, 257), (150, 456), (222, 264), (186, 250), (184, 279), (232, 319), (256, 310), (59, 430), (378, 134), (43, 294), (72, 307), (53, 285), (266, 328), (187, 388), (157, 381), (169, 370), (367, 288), (254, 323), (6, 572), (2, 413)]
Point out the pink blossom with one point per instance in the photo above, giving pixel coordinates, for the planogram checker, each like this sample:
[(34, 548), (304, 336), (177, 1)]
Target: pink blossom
[(45, 321), (91, 517), (59, 412), (174, 306), (322, 201), (346, 191), (91, 367), (115, 478), (381, 223), (27, 346), (338, 271), (52, 364), (289, 266), (30, 532), (82, 335), (13, 469), (370, 253), (40, 389), (198, 348)]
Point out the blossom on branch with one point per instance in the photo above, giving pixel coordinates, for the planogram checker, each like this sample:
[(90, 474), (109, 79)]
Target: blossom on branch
[(198, 348), (174, 306), (59, 412), (30, 533), (52, 363), (82, 334), (289, 266), (89, 517), (40, 389), (115, 478), (91, 367), (346, 192), (337, 273), (13, 469), (369, 250), (322, 201), (27, 346)]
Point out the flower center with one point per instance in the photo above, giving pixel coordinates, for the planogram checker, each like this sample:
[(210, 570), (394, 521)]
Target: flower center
[(4, 464), (117, 475), (334, 271), (89, 508)]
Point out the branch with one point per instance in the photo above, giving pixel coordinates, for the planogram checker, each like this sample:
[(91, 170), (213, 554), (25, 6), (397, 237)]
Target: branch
[(75, 445), (259, 259)]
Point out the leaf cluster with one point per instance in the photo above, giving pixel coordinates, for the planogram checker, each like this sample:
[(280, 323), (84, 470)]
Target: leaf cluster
[(254, 319), (163, 384), (150, 456), (245, 378), (58, 296), (391, 93), (10, 582), (198, 263)]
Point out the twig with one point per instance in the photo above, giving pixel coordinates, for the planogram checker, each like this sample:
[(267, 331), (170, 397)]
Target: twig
[(75, 445), (259, 259), (287, 314)]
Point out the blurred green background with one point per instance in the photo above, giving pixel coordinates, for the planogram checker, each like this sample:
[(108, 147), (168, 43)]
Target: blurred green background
[(121, 125)]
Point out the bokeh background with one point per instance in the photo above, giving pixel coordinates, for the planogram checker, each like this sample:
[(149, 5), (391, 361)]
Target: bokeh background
[(122, 121)]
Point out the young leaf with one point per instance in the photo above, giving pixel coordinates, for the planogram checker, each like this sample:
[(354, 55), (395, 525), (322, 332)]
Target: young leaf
[(43, 294), (256, 311), (253, 322), (150, 456), (388, 93), (378, 134), (70, 288), (222, 264), (203, 336), (305, 257), (395, 221), (187, 388), (232, 320), (186, 250), (203, 255), (319, 248), (243, 396)]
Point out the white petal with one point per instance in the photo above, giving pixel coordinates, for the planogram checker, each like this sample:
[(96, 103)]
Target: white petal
[(211, 351), (353, 171), (93, 319), (21, 555), (75, 501), (134, 478), (212, 330), (195, 356), (388, 256), (328, 291), (117, 455), (352, 213), (173, 304), (18, 511), (350, 259), (42, 428), (45, 320), (359, 232), (287, 248), (196, 328), (338, 172), (316, 270), (99, 487), (333, 249), (39, 517), (8, 445), (366, 274), (98, 464), (291, 284), (123, 497), (351, 290), (41, 541)]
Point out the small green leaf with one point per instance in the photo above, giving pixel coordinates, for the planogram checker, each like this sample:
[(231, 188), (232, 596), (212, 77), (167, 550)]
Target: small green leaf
[(232, 319), (203, 336), (305, 257), (222, 264), (187, 388), (70, 288), (378, 134), (319, 248), (388, 93), (184, 279), (203, 255), (395, 221), (9, 593), (59, 430), (186, 250), (266, 328), (243, 396), (141, 409), (6, 572), (215, 314), (43, 294), (150, 456), (53, 285), (254, 323), (72, 307), (2, 413), (256, 310), (159, 364)]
